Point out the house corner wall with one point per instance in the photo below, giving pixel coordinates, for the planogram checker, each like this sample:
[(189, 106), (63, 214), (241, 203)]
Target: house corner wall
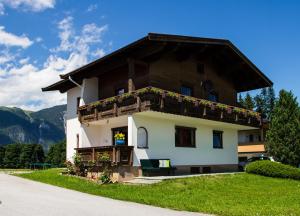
[(72, 122)]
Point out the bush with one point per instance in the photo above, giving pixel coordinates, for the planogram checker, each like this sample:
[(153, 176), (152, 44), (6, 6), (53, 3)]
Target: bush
[(273, 169)]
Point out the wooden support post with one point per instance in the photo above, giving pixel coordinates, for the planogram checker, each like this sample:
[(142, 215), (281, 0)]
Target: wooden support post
[(204, 111), (138, 103), (115, 109), (131, 74), (93, 154), (96, 114), (114, 155), (117, 155), (130, 157)]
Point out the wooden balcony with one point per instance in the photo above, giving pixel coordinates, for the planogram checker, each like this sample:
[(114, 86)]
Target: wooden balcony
[(155, 99), (119, 155)]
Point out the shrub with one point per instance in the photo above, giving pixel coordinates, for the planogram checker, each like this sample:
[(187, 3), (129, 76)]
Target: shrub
[(79, 165), (273, 169), (104, 159), (70, 168)]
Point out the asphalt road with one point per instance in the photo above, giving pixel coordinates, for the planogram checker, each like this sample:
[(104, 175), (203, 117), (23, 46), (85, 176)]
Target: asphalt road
[(21, 197)]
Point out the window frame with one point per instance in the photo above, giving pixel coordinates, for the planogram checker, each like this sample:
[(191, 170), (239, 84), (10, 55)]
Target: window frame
[(187, 87), (118, 89), (137, 143), (193, 130), (221, 141)]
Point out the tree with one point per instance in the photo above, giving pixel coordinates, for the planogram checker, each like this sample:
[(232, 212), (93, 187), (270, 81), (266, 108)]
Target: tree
[(270, 101), (264, 102), (57, 154), (26, 155), (283, 137), (11, 158), (2, 154), (248, 102), (241, 100), (38, 155)]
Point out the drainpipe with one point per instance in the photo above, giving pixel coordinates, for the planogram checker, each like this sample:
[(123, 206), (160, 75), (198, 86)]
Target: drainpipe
[(70, 78)]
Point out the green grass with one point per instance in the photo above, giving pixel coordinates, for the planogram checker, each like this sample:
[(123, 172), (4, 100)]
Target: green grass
[(239, 194)]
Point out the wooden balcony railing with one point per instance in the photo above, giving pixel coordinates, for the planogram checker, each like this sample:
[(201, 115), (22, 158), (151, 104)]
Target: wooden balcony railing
[(119, 155), (156, 99)]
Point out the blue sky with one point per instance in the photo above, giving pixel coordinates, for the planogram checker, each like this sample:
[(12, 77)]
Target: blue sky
[(40, 39)]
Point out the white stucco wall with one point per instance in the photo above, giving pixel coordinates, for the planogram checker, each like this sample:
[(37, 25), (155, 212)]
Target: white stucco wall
[(73, 125), (99, 133), (161, 140)]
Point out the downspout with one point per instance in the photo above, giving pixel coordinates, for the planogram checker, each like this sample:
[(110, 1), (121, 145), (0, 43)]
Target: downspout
[(70, 78), (77, 84)]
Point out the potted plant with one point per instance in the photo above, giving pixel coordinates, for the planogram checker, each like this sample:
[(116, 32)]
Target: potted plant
[(119, 138)]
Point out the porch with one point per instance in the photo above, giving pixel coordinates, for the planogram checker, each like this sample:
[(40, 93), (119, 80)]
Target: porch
[(119, 155)]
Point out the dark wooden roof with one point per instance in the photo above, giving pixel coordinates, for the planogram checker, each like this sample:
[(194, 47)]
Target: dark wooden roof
[(245, 75)]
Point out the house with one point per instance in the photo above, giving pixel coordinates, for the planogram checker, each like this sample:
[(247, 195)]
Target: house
[(162, 97), (251, 143)]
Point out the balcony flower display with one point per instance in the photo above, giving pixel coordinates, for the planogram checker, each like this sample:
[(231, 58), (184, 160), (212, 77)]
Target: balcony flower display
[(119, 138)]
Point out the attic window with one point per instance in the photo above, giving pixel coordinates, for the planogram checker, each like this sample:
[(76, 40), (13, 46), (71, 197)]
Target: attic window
[(120, 91)]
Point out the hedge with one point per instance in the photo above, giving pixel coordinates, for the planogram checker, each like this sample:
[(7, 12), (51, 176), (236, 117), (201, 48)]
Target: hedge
[(273, 169)]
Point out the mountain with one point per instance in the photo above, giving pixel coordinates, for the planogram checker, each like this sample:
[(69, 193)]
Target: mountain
[(43, 127)]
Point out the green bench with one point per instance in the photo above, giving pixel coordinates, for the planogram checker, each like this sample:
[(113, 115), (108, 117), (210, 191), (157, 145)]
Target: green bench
[(156, 167)]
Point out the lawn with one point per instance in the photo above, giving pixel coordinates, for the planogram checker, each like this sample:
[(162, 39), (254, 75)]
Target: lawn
[(239, 194)]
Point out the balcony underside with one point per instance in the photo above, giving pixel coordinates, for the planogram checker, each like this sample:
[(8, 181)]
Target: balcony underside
[(154, 99)]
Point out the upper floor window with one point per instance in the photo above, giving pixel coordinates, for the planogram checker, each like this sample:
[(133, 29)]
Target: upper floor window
[(218, 139), (120, 91), (213, 96), (185, 90), (185, 137), (142, 138)]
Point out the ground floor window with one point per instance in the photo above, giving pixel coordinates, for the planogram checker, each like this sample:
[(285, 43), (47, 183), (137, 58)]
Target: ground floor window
[(119, 136), (142, 138), (218, 139), (185, 136)]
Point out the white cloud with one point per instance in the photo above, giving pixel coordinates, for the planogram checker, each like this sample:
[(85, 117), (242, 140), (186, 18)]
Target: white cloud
[(9, 39), (72, 42), (28, 5), (21, 85), (1, 9), (92, 7), (98, 53), (24, 60), (38, 39)]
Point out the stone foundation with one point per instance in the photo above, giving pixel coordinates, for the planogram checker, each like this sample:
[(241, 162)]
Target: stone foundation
[(126, 173)]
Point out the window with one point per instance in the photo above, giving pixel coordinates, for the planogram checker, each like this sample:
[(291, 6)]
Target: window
[(119, 130), (120, 91), (251, 138), (213, 96), (185, 137), (218, 139), (186, 90), (142, 138)]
